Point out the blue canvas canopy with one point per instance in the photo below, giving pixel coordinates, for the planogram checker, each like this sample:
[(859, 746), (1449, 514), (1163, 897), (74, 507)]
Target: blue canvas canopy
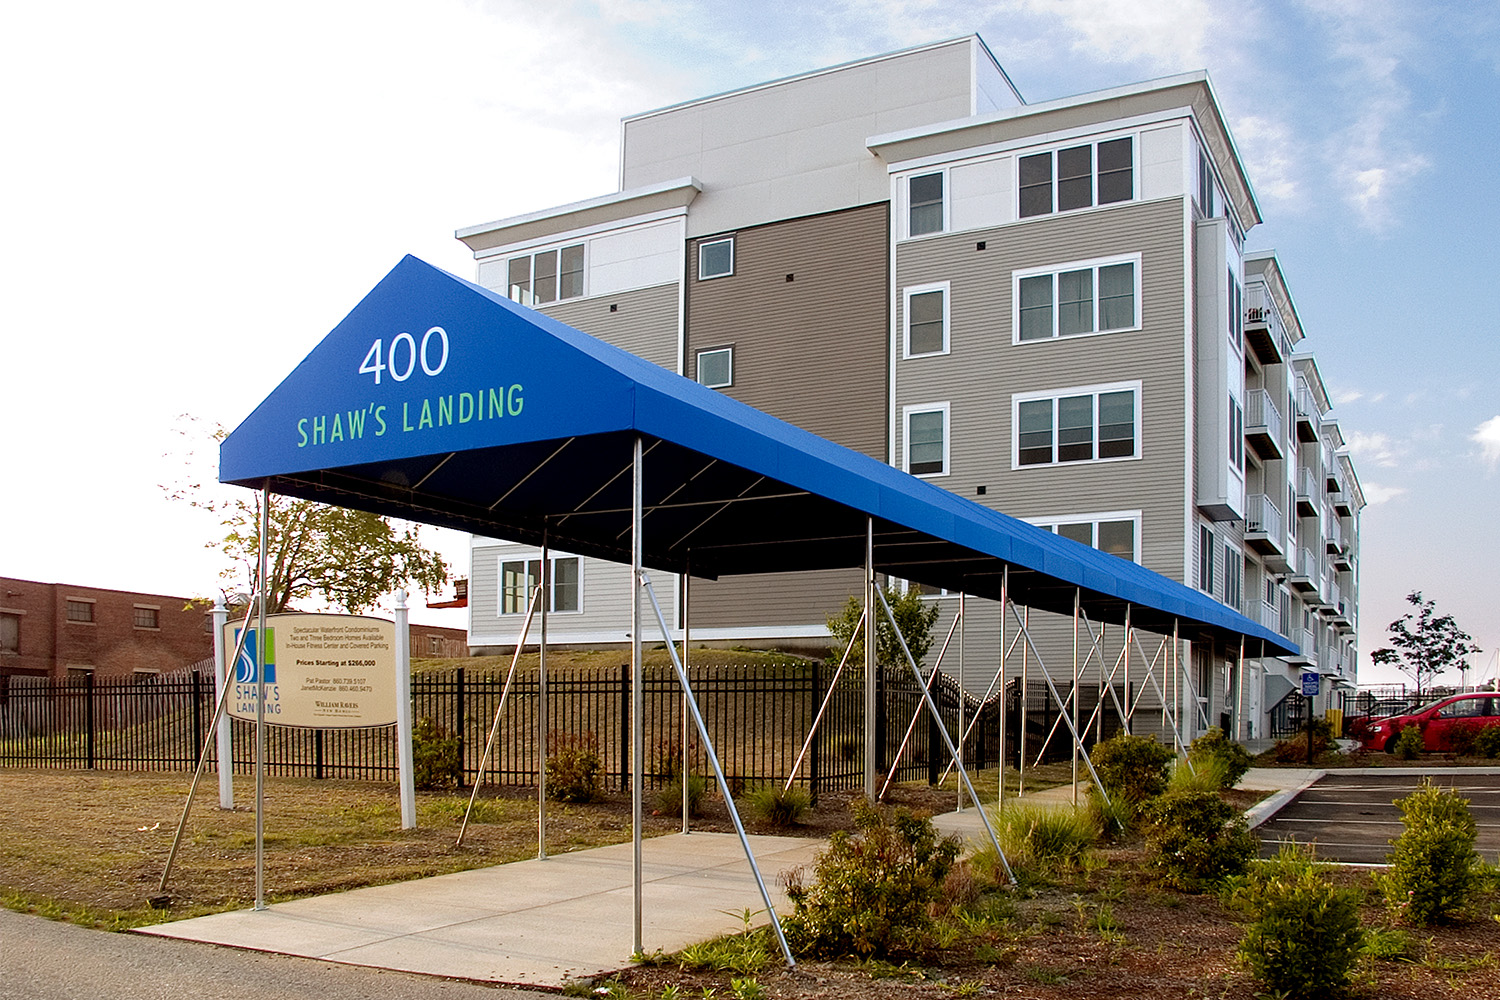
[(439, 401)]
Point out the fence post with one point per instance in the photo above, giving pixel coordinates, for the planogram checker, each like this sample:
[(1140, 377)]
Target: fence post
[(815, 769), (624, 727), (460, 726), (934, 742), (318, 754), (88, 687), (881, 693), (197, 716)]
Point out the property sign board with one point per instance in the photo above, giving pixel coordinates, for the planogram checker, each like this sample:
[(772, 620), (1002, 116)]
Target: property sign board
[(1310, 681), (321, 671)]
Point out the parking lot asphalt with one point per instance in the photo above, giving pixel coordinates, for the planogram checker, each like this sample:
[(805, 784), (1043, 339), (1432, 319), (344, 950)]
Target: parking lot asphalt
[(1351, 817)]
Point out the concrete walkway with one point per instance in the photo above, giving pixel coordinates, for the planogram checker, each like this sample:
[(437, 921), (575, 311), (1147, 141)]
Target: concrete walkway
[(530, 923)]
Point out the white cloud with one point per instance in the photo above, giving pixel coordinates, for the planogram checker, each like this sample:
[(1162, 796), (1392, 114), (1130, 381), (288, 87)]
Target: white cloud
[(1168, 35), (1487, 436), (1374, 448), (1271, 152), (1347, 396), (1378, 494)]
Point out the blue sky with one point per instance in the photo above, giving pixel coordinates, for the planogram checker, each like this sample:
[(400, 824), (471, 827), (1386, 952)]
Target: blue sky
[(195, 195)]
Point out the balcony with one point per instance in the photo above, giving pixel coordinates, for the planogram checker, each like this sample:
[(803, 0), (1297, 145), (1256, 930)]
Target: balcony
[(1334, 536), (1307, 492), (1343, 503), (1263, 428), (1265, 529), (1304, 574), (1263, 330), (1307, 415)]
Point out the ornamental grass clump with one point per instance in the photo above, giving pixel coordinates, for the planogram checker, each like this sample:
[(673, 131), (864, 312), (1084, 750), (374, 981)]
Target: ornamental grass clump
[(1227, 760), (780, 806), (1434, 870), (872, 890), (1038, 839), (1304, 936)]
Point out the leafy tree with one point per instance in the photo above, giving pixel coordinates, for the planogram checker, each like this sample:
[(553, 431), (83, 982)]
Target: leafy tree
[(348, 558), (914, 615), (1424, 643)]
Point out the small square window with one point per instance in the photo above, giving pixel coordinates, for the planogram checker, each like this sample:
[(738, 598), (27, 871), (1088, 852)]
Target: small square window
[(80, 611), (716, 368), (145, 618), (715, 259), (10, 633)]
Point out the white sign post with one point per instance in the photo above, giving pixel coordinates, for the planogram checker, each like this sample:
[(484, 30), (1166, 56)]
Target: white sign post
[(221, 680), (403, 715)]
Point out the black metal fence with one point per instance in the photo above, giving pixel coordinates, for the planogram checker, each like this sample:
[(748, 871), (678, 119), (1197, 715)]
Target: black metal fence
[(757, 716)]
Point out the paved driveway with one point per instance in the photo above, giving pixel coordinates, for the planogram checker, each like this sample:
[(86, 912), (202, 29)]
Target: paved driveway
[(1351, 817)]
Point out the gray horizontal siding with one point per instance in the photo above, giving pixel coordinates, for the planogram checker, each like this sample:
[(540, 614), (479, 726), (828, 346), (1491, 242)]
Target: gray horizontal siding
[(771, 599), (642, 321), (811, 350), (984, 368)]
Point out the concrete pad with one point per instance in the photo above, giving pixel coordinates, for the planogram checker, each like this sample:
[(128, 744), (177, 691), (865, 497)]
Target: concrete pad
[(532, 923)]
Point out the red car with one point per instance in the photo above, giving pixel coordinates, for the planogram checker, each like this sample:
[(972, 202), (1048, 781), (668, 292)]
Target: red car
[(1438, 721)]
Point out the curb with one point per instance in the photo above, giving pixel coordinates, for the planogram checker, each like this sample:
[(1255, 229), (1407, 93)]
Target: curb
[(1265, 809)]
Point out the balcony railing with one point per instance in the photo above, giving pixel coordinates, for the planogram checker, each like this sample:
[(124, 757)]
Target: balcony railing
[(1263, 328), (1263, 427), (1262, 516)]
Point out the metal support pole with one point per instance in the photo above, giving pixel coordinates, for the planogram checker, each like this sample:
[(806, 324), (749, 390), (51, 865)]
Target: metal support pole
[(963, 693), (1000, 766), (1177, 685), (1025, 699), (548, 587), (713, 758), (1239, 695), (683, 771), (510, 676), (260, 705), (1129, 709), (226, 761), (1074, 698), (937, 719), (637, 728), (859, 629), (872, 639)]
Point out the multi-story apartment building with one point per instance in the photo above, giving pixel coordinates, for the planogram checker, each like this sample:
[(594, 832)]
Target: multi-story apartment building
[(1047, 308)]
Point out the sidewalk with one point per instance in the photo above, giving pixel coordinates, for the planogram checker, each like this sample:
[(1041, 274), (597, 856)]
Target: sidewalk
[(1284, 782), (530, 923)]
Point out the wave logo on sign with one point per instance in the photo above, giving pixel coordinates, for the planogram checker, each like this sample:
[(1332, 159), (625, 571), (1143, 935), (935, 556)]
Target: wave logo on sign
[(244, 667)]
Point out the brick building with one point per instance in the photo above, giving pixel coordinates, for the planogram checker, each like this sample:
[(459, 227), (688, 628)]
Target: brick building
[(54, 629)]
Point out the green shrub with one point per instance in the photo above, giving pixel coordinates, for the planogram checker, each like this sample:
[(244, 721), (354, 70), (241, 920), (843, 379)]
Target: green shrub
[(1487, 741), (1304, 936), (872, 889), (1196, 839), (437, 757), (669, 796), (1133, 768), (1434, 869), (1409, 744), (778, 805), (1041, 839), (1228, 759), (575, 772)]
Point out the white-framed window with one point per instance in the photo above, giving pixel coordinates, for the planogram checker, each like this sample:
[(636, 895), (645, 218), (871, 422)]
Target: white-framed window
[(716, 367), (716, 258), (1073, 177), (925, 324), (546, 276), (518, 578), (1097, 423), (1205, 186), (1234, 575), (1236, 314), (1115, 532), (1206, 545), (925, 204), (1069, 300), (922, 589), (1236, 434), (925, 441)]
